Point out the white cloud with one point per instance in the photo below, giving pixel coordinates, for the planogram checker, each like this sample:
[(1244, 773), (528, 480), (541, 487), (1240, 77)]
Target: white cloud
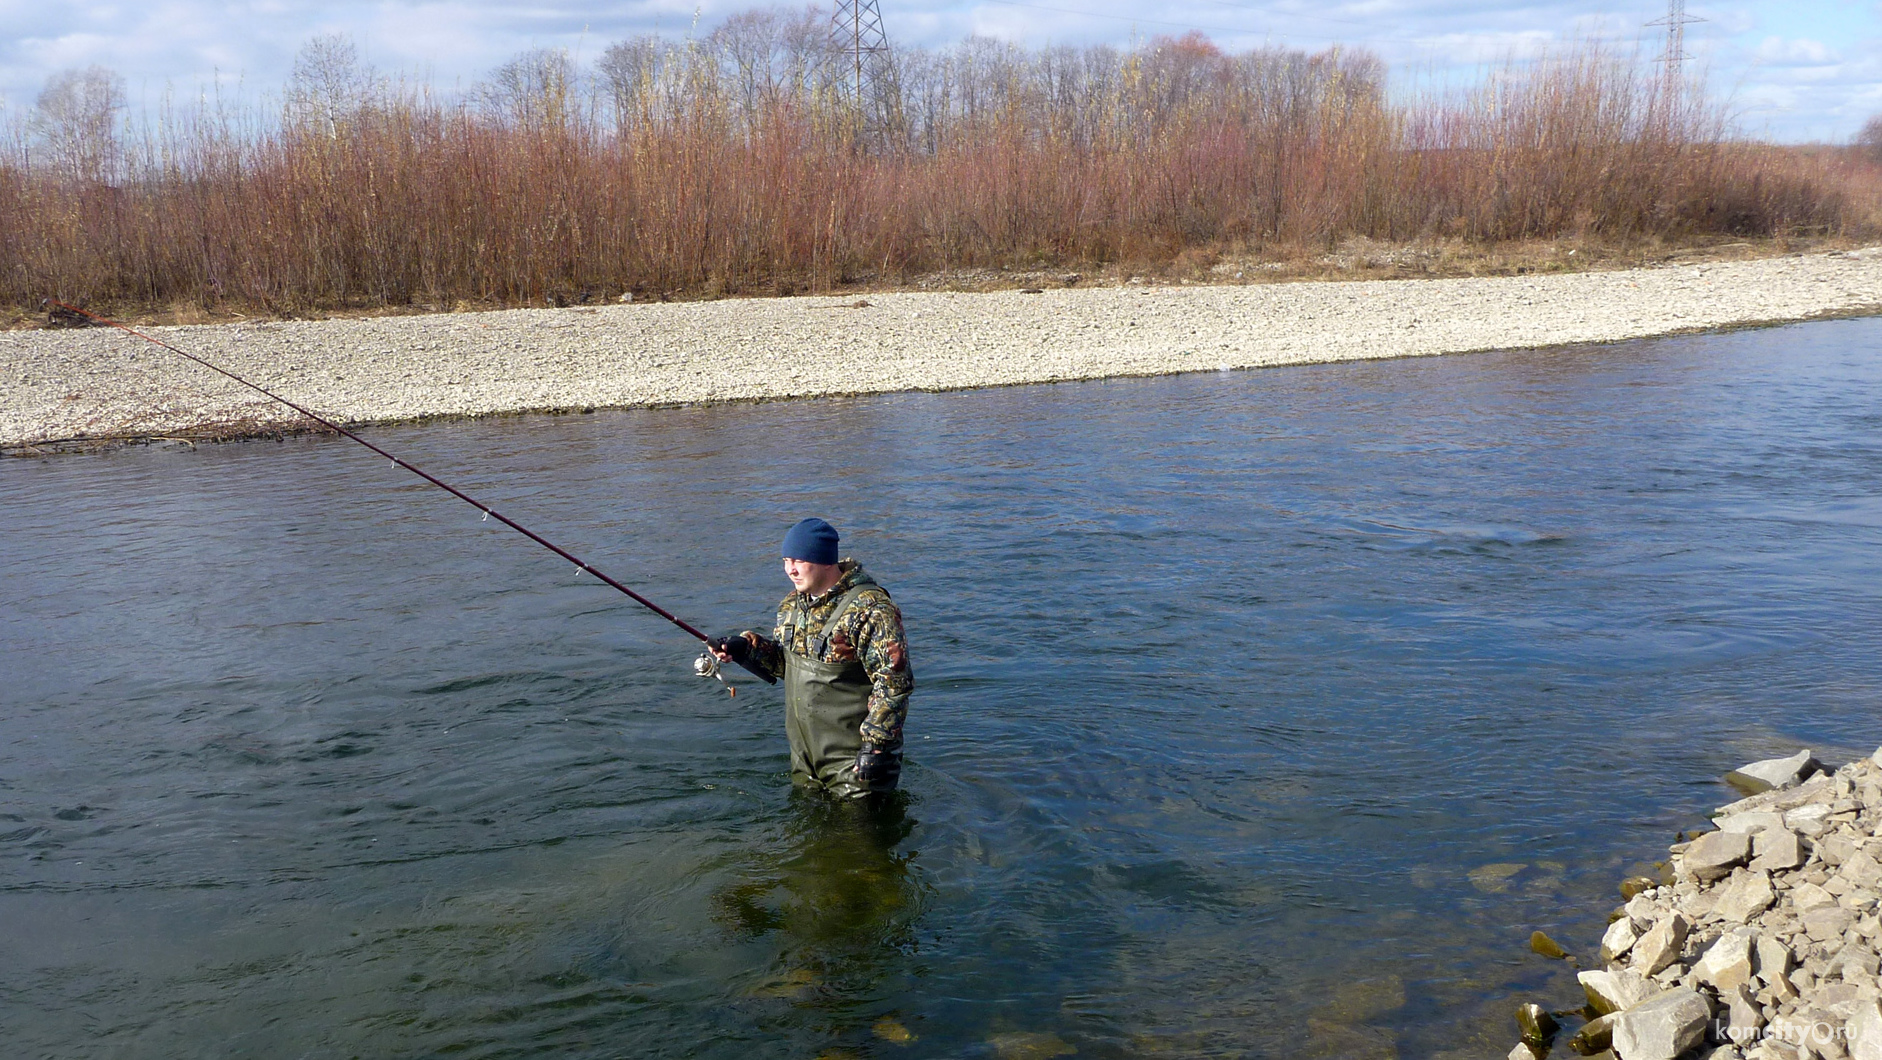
[(1799, 52)]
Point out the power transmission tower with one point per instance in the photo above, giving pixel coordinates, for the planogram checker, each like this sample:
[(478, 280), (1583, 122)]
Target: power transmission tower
[(1676, 20), (866, 70)]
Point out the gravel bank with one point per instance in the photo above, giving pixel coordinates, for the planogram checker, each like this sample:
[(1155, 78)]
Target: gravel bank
[(95, 383)]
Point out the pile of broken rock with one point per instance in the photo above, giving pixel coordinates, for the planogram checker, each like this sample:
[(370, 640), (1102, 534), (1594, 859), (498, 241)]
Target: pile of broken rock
[(1762, 942)]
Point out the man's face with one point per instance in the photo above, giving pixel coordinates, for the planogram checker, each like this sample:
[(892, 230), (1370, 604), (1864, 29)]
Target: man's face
[(812, 578)]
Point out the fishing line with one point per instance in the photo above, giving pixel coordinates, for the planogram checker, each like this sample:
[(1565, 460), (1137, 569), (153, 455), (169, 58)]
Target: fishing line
[(581, 565)]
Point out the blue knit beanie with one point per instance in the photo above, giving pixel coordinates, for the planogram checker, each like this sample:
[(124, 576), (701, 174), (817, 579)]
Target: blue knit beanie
[(813, 541)]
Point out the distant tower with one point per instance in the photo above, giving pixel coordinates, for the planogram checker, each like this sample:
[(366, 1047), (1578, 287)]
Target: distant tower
[(1676, 20), (866, 70)]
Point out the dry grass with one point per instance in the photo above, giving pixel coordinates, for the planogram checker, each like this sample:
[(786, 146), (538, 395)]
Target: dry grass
[(1176, 162)]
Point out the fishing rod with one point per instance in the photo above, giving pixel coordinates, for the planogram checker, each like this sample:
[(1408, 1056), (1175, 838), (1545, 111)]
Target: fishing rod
[(707, 665)]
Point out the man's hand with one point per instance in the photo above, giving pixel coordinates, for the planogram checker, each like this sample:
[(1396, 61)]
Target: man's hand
[(735, 648), (872, 764)]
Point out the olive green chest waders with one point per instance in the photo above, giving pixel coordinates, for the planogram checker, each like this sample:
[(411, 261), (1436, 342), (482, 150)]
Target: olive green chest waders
[(824, 707)]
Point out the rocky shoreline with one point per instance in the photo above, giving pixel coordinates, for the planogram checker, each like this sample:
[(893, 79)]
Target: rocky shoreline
[(91, 384), (1759, 941)]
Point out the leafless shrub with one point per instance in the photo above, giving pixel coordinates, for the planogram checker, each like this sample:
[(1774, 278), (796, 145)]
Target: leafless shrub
[(730, 164)]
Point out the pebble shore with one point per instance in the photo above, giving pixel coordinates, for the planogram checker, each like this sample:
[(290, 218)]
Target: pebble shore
[(99, 384), (1761, 940)]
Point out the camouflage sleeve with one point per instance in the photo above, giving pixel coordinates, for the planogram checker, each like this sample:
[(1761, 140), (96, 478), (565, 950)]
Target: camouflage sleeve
[(884, 655), (770, 653)]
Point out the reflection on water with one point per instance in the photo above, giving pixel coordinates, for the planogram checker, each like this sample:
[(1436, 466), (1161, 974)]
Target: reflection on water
[(1262, 714)]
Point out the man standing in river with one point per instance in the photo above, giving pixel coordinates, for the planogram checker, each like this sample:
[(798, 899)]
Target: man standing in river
[(839, 648)]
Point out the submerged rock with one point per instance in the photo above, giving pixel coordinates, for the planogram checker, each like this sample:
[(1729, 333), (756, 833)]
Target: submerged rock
[(1027, 1045), (1595, 1036), (1633, 885), (1778, 773), (1540, 942), (1535, 1024)]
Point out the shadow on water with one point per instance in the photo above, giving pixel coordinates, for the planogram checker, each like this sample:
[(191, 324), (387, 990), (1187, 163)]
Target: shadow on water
[(832, 913)]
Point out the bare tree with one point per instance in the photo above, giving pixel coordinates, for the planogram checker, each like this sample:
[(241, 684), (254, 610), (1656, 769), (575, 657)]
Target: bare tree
[(77, 119), (535, 90), (1870, 139), (329, 86), (628, 72)]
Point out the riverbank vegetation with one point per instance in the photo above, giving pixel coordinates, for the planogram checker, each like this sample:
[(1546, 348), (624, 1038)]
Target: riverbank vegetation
[(745, 163)]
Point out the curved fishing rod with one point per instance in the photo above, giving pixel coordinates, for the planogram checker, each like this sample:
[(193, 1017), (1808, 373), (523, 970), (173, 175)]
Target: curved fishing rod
[(489, 513)]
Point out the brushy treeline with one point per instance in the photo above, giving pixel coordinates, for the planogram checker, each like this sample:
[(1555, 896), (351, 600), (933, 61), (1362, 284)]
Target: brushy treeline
[(745, 162)]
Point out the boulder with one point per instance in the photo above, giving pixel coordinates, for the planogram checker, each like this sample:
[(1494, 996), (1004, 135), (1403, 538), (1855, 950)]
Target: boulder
[(1745, 1016), (1863, 1031), (1776, 850), (1726, 964), (1595, 1036), (1615, 990), (1662, 944), (1621, 936), (1714, 855), (1825, 924), (1535, 1024), (1540, 942), (1774, 959), (1812, 790), (1862, 870), (1662, 1027), (1745, 897), (1773, 773), (1754, 821), (1808, 896), (1836, 849)]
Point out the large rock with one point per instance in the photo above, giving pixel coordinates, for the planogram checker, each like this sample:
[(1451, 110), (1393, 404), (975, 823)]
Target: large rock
[(1745, 897), (1863, 1031), (1614, 990), (1862, 870), (1595, 1036), (1777, 850), (1726, 964), (1808, 896), (1772, 773), (1745, 1017), (1774, 959), (1824, 925), (1621, 936), (1663, 1026), (1754, 822), (1714, 855), (1662, 944)]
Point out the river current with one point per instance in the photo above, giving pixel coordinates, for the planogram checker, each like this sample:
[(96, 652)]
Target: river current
[(1259, 714)]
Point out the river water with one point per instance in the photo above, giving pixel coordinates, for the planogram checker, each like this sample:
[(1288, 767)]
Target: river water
[(1259, 714)]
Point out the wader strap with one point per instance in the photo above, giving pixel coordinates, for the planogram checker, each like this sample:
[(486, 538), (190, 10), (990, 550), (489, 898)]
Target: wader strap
[(822, 641)]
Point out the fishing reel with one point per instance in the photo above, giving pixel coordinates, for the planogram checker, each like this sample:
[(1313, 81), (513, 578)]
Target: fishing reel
[(740, 649), (707, 665)]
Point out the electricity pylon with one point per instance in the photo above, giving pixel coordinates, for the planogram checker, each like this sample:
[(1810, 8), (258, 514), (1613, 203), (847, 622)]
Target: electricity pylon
[(1674, 56), (866, 71)]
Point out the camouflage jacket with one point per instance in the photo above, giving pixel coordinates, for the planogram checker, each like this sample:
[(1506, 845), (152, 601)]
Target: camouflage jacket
[(870, 633)]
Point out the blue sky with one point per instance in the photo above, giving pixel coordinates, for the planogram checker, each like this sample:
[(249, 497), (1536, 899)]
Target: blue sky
[(1794, 71)]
